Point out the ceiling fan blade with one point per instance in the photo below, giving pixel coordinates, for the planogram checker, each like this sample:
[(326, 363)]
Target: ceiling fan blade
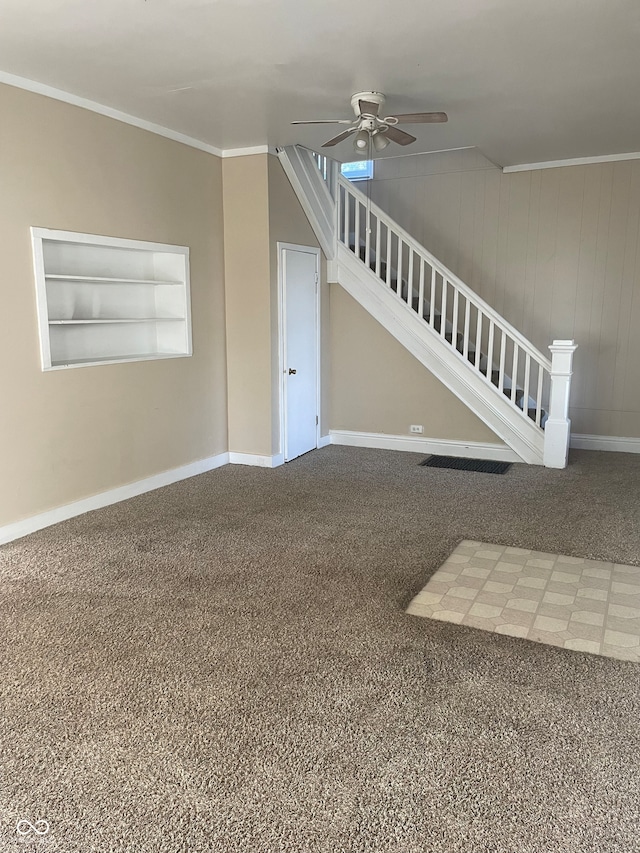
[(326, 121), (399, 136), (368, 107), (421, 118), (339, 138)]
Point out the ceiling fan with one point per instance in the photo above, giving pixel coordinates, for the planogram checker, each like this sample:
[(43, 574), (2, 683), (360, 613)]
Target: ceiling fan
[(368, 126)]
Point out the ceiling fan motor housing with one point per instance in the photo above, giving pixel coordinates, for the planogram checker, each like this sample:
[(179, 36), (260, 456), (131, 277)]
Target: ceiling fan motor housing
[(371, 97)]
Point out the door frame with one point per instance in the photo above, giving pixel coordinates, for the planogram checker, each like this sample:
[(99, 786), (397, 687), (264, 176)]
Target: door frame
[(282, 385)]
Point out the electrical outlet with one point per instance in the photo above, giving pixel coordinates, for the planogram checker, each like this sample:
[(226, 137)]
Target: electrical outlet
[(416, 428)]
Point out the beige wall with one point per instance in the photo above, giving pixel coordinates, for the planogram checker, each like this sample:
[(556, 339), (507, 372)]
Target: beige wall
[(377, 386), (248, 304), (555, 251), (68, 434)]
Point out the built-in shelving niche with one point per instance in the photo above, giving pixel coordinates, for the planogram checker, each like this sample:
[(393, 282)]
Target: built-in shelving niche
[(104, 299)]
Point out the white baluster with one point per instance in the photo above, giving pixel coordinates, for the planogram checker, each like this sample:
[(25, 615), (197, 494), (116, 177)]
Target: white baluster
[(378, 252), (356, 228), (443, 307), (557, 431), (503, 353), (539, 396), (399, 270), (527, 382), (367, 238), (421, 291), (490, 350), (454, 321), (388, 269), (432, 297), (465, 332), (478, 339), (410, 279), (514, 373), (347, 202)]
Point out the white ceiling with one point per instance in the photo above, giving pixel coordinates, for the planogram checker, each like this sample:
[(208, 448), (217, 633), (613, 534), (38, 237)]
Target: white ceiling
[(524, 81)]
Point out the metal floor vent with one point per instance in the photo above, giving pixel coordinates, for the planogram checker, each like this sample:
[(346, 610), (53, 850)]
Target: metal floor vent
[(483, 466)]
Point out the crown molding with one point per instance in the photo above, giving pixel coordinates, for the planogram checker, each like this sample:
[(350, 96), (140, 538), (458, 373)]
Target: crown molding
[(575, 161), (109, 112), (246, 152)]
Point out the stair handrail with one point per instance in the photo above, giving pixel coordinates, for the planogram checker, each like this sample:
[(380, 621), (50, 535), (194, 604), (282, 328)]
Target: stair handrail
[(554, 374), (446, 273)]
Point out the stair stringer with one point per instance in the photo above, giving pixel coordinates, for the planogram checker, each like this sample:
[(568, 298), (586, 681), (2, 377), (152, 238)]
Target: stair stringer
[(444, 361)]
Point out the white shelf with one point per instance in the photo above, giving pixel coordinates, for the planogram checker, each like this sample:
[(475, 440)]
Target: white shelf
[(117, 320), (142, 313), (120, 359), (95, 279)]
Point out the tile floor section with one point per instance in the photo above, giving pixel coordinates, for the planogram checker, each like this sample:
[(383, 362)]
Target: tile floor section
[(585, 605)]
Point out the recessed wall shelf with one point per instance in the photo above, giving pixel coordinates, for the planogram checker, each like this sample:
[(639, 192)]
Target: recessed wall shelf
[(105, 299)]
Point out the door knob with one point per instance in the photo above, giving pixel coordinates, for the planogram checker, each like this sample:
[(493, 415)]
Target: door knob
[(291, 370)]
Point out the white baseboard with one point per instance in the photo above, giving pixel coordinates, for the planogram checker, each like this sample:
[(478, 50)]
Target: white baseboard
[(45, 519), (324, 441), (416, 444), (615, 443), (236, 458)]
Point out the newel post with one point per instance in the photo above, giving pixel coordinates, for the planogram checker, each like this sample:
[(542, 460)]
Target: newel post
[(557, 430)]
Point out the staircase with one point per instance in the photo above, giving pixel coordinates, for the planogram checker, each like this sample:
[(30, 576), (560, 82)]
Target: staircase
[(509, 384)]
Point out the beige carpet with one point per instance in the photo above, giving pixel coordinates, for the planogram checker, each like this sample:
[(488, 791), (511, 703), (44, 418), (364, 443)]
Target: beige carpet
[(584, 605), (226, 665)]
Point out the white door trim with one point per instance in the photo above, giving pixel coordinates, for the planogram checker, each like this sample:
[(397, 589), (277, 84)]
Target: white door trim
[(313, 250)]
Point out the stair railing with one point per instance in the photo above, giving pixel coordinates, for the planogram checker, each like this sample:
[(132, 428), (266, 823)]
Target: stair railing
[(537, 388), (479, 335)]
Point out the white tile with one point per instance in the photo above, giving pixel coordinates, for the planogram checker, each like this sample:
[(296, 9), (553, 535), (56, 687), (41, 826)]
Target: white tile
[(532, 583), (587, 617), (620, 568), (426, 597), (523, 604), (583, 646), (617, 638), (513, 630), (548, 623), (448, 616), (624, 612), (590, 572), (463, 592), (444, 577), (564, 577), (557, 598), (579, 588), (626, 588), (494, 586), (475, 572), (508, 568), (486, 554), (593, 594), (486, 610)]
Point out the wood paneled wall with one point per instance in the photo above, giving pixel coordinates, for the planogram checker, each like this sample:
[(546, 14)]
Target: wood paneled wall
[(555, 251)]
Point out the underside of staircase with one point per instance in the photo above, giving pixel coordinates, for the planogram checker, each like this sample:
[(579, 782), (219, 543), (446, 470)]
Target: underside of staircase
[(500, 375)]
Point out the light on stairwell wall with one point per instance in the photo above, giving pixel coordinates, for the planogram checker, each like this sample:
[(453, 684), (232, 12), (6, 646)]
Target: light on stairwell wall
[(361, 140), (380, 141)]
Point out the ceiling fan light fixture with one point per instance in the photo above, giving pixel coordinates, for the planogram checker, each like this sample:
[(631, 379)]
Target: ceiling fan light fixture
[(380, 140), (361, 140)]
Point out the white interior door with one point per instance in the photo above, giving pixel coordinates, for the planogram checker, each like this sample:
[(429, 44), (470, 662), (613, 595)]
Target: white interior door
[(300, 350)]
